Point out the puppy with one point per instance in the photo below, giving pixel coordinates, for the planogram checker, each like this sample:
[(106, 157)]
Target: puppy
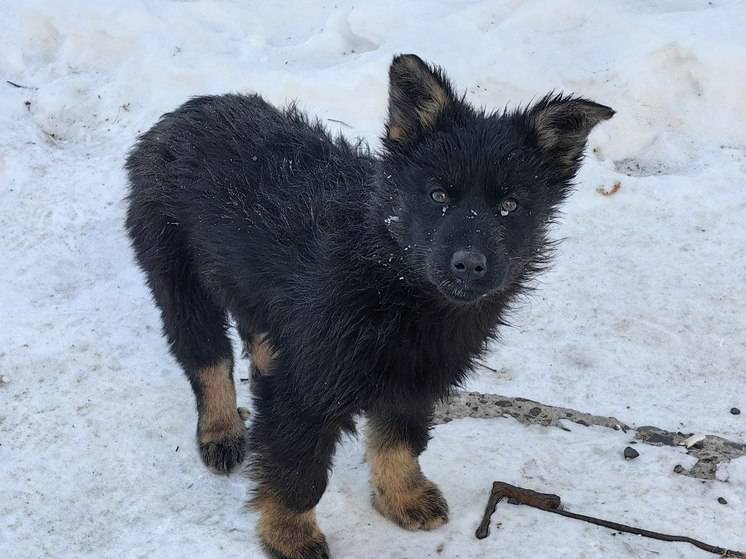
[(359, 283)]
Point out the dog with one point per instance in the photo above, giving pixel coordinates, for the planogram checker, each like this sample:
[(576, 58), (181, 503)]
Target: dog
[(360, 282)]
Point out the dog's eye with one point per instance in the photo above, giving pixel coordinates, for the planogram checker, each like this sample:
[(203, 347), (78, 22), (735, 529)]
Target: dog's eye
[(439, 196), (508, 205)]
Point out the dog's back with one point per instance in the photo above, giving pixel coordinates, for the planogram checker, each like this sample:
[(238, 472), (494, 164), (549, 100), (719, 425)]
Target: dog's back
[(236, 161)]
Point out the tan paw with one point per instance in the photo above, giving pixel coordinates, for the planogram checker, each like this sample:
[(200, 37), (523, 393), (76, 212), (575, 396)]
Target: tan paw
[(287, 534), (419, 507)]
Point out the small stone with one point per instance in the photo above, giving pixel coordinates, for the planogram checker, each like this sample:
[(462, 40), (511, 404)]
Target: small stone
[(735, 411), (678, 469), (4, 379), (722, 501), (630, 453)]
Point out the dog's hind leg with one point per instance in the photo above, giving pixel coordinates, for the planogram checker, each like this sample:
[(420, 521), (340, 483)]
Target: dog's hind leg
[(401, 492), (196, 330)]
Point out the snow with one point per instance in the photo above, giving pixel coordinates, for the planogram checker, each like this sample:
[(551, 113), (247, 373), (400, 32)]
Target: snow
[(641, 316)]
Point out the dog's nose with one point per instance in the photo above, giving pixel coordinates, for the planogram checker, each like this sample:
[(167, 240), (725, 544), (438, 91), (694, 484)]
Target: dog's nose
[(469, 264)]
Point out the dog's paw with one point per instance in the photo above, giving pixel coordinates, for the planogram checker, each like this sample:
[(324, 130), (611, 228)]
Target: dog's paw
[(315, 550), (287, 534), (421, 507), (222, 450)]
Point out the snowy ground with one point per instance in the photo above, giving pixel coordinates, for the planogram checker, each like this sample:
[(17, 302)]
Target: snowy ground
[(641, 317)]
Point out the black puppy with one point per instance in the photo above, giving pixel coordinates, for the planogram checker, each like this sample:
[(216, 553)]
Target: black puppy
[(359, 284)]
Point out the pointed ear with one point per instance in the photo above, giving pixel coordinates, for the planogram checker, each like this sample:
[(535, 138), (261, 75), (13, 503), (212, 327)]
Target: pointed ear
[(561, 125), (419, 94)]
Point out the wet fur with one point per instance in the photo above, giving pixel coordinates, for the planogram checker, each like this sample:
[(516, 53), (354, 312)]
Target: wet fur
[(329, 260)]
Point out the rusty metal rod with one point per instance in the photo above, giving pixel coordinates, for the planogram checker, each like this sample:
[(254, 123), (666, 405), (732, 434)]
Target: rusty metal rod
[(552, 503)]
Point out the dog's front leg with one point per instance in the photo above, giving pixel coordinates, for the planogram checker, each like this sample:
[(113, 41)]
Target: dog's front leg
[(401, 492), (293, 451)]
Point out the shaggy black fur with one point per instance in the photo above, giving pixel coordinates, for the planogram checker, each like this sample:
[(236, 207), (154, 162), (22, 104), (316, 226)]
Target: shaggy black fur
[(378, 279)]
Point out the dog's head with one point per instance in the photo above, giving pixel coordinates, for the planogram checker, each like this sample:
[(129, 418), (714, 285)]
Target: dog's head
[(467, 195)]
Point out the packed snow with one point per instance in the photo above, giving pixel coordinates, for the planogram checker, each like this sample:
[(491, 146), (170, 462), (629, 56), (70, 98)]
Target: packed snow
[(641, 317)]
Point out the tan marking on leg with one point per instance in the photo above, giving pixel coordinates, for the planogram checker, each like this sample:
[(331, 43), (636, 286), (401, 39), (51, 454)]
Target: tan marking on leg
[(218, 416), (396, 133), (401, 492), (293, 534), (262, 352)]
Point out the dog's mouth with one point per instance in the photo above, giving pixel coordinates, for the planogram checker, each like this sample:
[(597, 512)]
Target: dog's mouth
[(457, 293)]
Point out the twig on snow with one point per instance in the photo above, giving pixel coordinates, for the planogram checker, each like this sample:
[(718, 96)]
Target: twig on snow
[(485, 366), (342, 122), (19, 86)]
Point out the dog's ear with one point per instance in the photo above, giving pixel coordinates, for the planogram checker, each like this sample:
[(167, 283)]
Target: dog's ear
[(419, 95), (561, 124)]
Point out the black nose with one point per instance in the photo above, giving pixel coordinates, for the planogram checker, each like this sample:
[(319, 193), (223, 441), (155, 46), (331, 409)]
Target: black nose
[(469, 264)]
